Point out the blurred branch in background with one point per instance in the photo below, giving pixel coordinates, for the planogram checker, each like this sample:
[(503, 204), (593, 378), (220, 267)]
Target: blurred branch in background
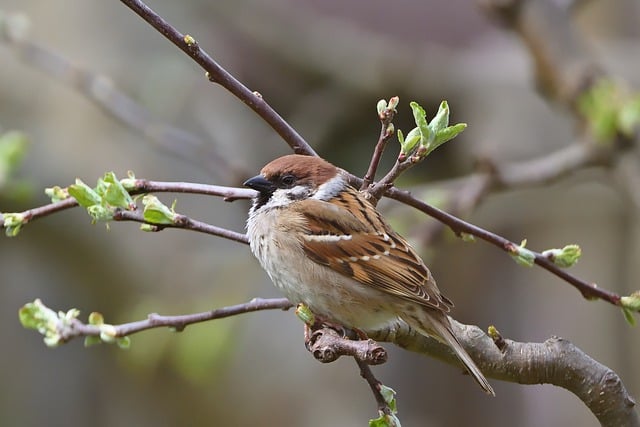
[(101, 90)]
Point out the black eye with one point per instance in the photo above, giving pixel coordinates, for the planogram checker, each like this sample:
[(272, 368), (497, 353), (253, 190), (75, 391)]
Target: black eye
[(287, 180)]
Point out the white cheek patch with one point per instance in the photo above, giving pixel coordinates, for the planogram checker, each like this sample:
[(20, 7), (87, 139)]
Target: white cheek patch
[(330, 189)]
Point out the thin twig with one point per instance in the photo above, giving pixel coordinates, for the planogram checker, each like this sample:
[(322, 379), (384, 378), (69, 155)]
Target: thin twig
[(183, 222), (458, 226), (154, 320), (386, 132), (374, 385), (221, 76), (142, 186)]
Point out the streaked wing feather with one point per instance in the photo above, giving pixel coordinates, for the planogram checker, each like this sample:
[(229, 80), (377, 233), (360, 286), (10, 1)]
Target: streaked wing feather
[(356, 247)]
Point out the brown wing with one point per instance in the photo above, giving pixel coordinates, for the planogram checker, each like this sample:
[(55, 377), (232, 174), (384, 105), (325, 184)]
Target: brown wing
[(358, 243)]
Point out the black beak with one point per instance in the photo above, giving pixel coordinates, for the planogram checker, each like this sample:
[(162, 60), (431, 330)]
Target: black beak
[(260, 184)]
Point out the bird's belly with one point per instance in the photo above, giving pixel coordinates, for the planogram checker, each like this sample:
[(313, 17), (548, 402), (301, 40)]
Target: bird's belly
[(328, 294)]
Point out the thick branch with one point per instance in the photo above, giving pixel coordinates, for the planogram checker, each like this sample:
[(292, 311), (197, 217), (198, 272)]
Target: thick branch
[(555, 361)]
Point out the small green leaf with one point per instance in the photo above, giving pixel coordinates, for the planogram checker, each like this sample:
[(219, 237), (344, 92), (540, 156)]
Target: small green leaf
[(565, 257), (56, 193), (115, 194), (420, 117), (466, 237), (389, 396), (124, 343), (35, 315), (448, 133), (631, 302), (84, 195), (96, 318), (385, 421), (156, 212), (129, 183), (149, 228), (100, 213), (413, 138), (305, 314), (522, 255), (13, 222), (628, 316), (441, 120)]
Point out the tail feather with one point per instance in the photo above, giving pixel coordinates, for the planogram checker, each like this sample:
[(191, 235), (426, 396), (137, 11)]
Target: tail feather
[(441, 329)]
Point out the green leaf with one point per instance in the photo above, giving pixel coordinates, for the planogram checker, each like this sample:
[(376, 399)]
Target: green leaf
[(628, 316), (441, 120), (156, 212), (385, 421), (565, 257), (389, 396), (448, 133), (466, 237), (124, 343), (420, 117), (35, 315), (413, 138), (305, 314), (522, 255), (56, 193), (100, 213), (13, 222), (115, 194), (129, 183), (96, 318), (631, 302), (84, 195)]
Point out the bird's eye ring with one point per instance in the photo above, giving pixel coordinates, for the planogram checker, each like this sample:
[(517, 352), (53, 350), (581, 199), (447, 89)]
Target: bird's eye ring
[(288, 180)]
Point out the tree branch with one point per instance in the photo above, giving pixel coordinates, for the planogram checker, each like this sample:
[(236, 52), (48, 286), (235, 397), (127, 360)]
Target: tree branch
[(79, 329), (555, 361), (219, 75)]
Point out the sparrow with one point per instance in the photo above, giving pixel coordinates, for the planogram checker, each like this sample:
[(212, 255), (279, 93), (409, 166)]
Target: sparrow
[(324, 245)]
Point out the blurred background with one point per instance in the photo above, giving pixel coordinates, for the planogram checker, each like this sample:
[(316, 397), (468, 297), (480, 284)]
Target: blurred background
[(323, 66)]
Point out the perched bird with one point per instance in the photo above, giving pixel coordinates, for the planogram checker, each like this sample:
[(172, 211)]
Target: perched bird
[(323, 244)]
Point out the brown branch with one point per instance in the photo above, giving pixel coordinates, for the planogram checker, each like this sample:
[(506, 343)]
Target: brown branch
[(458, 226), (326, 345), (182, 222), (555, 361), (221, 76), (374, 385), (179, 323), (142, 186)]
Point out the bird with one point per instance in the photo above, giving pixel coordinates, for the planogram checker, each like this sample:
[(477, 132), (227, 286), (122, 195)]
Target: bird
[(324, 244)]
